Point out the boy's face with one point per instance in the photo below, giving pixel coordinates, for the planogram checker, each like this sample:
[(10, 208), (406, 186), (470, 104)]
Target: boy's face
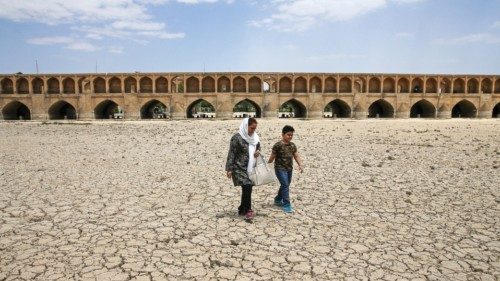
[(287, 137)]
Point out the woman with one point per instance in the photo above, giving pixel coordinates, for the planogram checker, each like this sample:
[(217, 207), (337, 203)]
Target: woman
[(243, 149)]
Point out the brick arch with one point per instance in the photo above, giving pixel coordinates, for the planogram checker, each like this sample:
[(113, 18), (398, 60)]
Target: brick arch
[(338, 109), (423, 109), (381, 108), (161, 85), (297, 107), (7, 86), (193, 111), (223, 84), (115, 85), (495, 113), (258, 110), (473, 86), (130, 85), (486, 86), (99, 85), (459, 85), (497, 86), (315, 85), (22, 86), (37, 85), (208, 84), (254, 85), (389, 85), (431, 85), (62, 109), (69, 85), (374, 85), (239, 85), (464, 109), (345, 85), (445, 86), (106, 109), (300, 85), (417, 85), (154, 109), (145, 85), (16, 110), (285, 85), (330, 85), (403, 85), (53, 86)]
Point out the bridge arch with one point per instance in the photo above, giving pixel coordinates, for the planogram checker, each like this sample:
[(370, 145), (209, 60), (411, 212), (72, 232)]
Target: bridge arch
[(337, 109), (154, 109), (315, 85), (285, 85), (472, 86), (389, 85), (403, 85), (22, 86), (431, 85), (300, 85), (106, 110), (239, 85), (463, 109), (381, 108), (130, 85), (62, 110), (53, 85), (208, 84), (423, 109), (345, 85), (496, 111), (99, 85), (115, 85), (223, 84), (254, 85), (459, 86), (330, 85), (200, 109), (16, 110), (417, 85), (374, 85), (246, 107), (486, 86), (292, 106), (37, 85), (161, 84), (7, 86), (68, 85)]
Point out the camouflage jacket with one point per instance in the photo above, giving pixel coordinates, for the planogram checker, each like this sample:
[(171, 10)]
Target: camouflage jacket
[(237, 160)]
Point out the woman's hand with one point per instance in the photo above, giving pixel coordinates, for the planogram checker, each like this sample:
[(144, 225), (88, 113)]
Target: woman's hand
[(256, 154), (229, 174)]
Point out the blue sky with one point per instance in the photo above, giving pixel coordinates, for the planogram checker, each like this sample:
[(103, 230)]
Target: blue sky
[(381, 36)]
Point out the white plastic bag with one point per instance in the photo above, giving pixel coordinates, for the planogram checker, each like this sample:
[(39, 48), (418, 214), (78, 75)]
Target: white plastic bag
[(262, 173)]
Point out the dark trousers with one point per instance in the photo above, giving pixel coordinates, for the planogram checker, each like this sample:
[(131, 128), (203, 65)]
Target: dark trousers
[(246, 199)]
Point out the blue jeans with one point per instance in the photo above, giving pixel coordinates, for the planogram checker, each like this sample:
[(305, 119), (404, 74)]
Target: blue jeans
[(285, 178)]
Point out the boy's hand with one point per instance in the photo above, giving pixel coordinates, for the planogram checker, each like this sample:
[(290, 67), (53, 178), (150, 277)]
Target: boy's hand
[(301, 168), (229, 174)]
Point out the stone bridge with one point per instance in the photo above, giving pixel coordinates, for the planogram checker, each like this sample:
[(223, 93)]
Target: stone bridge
[(136, 95)]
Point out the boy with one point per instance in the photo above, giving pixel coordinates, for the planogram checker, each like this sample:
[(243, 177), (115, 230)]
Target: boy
[(284, 152)]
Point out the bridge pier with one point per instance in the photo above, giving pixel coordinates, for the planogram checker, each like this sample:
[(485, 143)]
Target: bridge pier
[(444, 114), (484, 114)]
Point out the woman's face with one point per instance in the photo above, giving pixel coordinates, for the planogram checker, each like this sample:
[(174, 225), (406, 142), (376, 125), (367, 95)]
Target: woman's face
[(251, 129)]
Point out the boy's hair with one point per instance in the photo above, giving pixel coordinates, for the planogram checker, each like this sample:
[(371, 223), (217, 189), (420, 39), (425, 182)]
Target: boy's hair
[(287, 129), (251, 121)]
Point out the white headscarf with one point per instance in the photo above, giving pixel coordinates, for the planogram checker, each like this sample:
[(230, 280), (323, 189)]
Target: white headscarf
[(252, 141)]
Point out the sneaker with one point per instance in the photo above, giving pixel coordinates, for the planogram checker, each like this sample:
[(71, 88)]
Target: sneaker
[(288, 209), (249, 215), (278, 203)]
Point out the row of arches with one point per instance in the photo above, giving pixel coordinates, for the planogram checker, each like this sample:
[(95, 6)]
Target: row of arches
[(155, 109), (254, 84)]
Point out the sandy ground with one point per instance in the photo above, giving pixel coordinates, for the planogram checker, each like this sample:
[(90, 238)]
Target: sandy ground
[(379, 199)]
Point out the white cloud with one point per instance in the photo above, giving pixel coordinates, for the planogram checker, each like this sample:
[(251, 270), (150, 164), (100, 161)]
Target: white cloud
[(67, 42), (469, 39), (496, 24), (94, 19), (300, 15)]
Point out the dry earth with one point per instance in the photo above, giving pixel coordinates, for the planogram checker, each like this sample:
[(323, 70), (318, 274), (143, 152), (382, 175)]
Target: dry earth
[(379, 199)]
